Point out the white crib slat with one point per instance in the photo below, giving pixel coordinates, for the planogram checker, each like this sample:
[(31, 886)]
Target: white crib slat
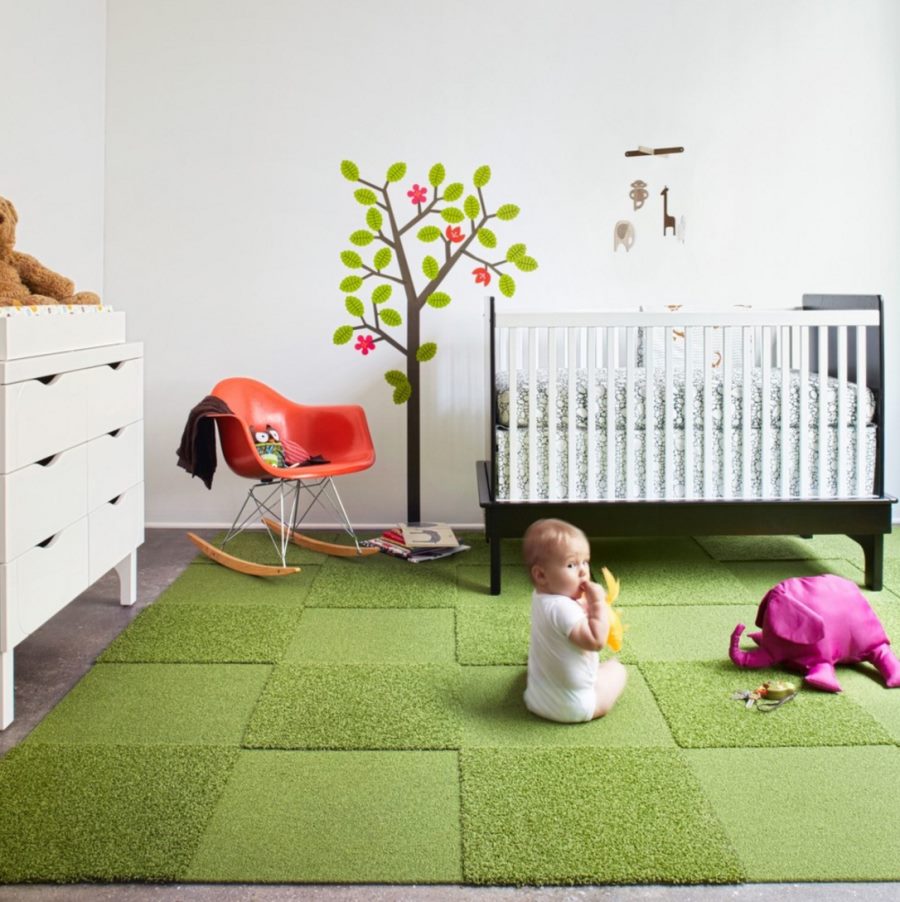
[(727, 411), (611, 338), (707, 414), (649, 415), (592, 407), (669, 450), (630, 364), (532, 414), (552, 419), (746, 412), (861, 409), (803, 424), (572, 370), (765, 431), (841, 456), (513, 443), (823, 411), (786, 436), (688, 415)]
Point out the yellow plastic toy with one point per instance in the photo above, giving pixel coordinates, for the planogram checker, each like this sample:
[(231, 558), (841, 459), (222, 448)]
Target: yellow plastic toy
[(616, 627)]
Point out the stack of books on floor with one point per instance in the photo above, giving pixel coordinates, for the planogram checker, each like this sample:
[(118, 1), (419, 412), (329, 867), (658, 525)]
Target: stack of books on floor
[(418, 542)]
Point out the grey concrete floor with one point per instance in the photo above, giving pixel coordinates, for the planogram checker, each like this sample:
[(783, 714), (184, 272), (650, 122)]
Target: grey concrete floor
[(50, 661)]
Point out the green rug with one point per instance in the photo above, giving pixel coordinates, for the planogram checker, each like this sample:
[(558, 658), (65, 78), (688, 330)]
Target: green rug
[(362, 722)]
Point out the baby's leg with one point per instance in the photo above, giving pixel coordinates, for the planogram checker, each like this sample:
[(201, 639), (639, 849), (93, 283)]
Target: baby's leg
[(611, 679)]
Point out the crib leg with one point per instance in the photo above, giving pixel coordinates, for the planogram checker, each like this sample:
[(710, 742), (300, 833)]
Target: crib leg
[(495, 564), (873, 548)]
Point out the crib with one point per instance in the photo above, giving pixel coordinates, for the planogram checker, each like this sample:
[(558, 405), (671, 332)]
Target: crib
[(735, 421)]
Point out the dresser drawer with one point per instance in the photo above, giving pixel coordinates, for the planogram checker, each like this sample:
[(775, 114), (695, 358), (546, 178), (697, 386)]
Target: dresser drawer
[(115, 462), (116, 396), (115, 529), (42, 581), (40, 417), (39, 500)]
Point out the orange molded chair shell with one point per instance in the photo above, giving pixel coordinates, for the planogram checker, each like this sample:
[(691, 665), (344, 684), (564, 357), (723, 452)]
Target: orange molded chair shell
[(339, 433)]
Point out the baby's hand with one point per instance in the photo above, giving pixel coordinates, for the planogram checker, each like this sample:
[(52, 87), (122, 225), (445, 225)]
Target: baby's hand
[(593, 593)]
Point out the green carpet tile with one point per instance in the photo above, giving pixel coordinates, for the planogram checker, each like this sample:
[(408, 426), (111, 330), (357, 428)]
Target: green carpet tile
[(206, 633), (383, 635), (256, 545), (493, 630), (673, 582), (695, 698), (863, 684), (101, 813), (494, 715), (759, 576), (475, 582), (584, 816), (335, 817), (148, 704), (219, 585), (807, 814), (358, 706), (771, 548)]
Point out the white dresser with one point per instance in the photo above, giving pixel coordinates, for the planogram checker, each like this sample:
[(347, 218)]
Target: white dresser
[(71, 470)]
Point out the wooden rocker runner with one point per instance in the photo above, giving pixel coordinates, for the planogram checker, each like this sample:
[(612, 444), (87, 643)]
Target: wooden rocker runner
[(281, 497)]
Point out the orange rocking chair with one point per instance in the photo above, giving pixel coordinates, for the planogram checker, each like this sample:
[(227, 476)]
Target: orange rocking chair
[(339, 434)]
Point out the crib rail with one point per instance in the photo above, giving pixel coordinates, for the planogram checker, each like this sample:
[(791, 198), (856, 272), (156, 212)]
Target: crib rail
[(725, 367)]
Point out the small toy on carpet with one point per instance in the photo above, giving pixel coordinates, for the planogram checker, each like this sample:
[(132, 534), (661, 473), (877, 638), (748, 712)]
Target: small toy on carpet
[(770, 695), (812, 623)]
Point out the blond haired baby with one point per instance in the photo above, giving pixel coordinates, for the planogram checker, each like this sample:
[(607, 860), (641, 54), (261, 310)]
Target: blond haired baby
[(569, 625)]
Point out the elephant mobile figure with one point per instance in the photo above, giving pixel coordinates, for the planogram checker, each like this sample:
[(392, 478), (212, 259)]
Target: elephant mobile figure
[(812, 623)]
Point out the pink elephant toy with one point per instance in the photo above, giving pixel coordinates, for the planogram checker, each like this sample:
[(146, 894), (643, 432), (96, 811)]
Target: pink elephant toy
[(811, 623)]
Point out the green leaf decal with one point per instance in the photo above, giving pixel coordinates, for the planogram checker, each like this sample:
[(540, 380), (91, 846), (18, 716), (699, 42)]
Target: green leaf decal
[(362, 237), (452, 214), (438, 299), (526, 264), (349, 170), (515, 251), (482, 176), (354, 306), (429, 233), (365, 196), (507, 212), (472, 207), (390, 317), (402, 394), (374, 219), (507, 286), (436, 175), (487, 237), (351, 284), (383, 258), (351, 259), (426, 351), (381, 293), (396, 378), (396, 172), (342, 335), (454, 191), (430, 267)]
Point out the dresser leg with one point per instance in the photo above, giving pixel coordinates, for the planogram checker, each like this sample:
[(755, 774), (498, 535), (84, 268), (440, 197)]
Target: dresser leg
[(6, 689), (127, 570)]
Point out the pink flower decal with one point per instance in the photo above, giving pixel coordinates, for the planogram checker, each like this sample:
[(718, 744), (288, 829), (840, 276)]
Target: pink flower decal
[(454, 234), (482, 276), (419, 194), (365, 343)]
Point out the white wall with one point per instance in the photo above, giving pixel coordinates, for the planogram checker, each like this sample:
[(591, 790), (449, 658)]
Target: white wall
[(226, 211), (52, 135)]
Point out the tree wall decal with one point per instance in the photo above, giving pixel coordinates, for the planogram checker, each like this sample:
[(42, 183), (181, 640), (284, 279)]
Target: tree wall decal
[(464, 233)]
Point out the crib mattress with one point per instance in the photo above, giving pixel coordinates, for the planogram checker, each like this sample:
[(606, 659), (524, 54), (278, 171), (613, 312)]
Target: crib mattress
[(845, 410), (677, 489)]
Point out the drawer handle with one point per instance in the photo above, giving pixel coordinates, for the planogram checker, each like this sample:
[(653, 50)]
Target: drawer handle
[(47, 461), (115, 500), (50, 380), (48, 541), (116, 364), (114, 433)]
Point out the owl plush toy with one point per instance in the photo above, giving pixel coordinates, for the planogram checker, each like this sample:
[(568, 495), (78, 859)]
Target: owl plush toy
[(268, 445)]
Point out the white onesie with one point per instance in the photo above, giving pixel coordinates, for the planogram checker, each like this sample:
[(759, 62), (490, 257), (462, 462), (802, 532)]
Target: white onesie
[(561, 675)]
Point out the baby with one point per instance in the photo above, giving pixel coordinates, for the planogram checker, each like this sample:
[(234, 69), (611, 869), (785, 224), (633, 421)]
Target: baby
[(569, 624)]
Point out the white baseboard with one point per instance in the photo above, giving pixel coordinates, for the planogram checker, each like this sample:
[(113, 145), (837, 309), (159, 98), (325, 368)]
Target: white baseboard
[(469, 527)]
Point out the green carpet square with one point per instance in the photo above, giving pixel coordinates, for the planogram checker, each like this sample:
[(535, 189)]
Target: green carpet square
[(386, 635), (95, 813), (695, 698), (335, 817), (673, 582), (358, 706), (807, 814), (493, 630), (206, 633), (616, 552), (382, 581), (586, 816), (864, 685), (494, 714), (475, 583), (683, 632), (771, 548), (219, 585), (149, 704), (760, 576), (256, 545)]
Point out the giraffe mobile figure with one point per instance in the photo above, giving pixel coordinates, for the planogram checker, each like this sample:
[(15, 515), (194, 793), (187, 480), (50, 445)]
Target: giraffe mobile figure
[(668, 220)]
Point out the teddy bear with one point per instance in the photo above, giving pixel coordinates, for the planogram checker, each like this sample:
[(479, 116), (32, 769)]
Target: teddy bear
[(24, 280)]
